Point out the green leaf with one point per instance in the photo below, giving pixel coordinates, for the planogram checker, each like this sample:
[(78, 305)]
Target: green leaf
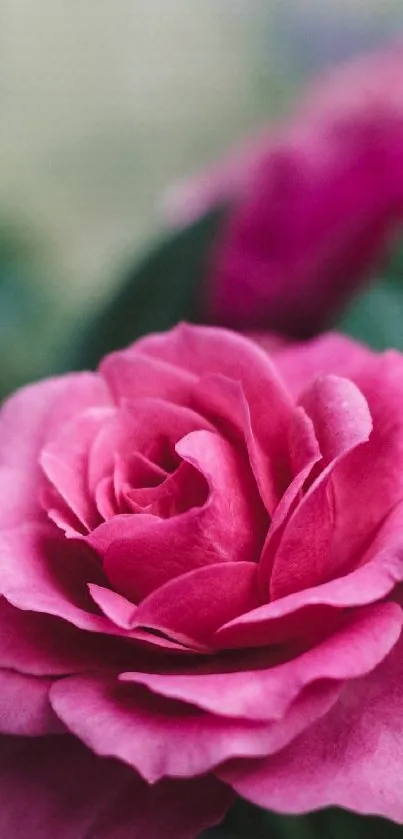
[(23, 306), (244, 821), (163, 289), (376, 316)]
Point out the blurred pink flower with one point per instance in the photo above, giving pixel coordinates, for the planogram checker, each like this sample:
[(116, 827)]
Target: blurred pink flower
[(313, 202)]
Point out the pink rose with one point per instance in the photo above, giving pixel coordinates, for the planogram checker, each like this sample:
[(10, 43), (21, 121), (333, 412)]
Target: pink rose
[(313, 201), (200, 556)]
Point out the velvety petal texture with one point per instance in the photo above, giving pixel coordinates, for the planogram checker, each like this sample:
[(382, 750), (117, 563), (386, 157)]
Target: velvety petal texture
[(201, 566), (351, 759)]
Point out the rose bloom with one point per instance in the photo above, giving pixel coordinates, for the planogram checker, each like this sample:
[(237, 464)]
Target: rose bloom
[(201, 552), (313, 202)]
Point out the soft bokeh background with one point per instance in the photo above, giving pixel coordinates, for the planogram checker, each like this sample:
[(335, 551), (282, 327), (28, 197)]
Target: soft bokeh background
[(104, 104)]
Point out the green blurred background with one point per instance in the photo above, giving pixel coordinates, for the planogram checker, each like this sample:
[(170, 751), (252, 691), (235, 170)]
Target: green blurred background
[(104, 105)]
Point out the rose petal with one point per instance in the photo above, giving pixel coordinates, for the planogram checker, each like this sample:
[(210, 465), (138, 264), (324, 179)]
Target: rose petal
[(195, 604), (65, 463), (379, 378), (340, 415), (31, 417), (183, 489), (264, 692), (15, 508), (146, 427), (41, 571), (43, 645), (299, 364), (24, 705), (142, 552), (291, 616), (55, 787), (369, 484), (304, 557), (268, 409), (105, 499), (162, 738), (119, 610), (130, 375), (351, 758)]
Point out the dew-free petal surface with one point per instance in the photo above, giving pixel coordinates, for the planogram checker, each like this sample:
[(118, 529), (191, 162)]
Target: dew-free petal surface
[(164, 738), (350, 759)]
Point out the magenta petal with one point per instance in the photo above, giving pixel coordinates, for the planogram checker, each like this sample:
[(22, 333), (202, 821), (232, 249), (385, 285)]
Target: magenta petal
[(266, 692), (55, 787), (184, 488), (369, 483), (310, 610), (340, 415), (15, 508), (304, 453), (65, 463), (142, 552), (105, 499), (227, 358), (351, 758), (146, 427), (130, 375), (162, 738), (119, 610), (43, 645), (304, 557), (194, 605), (43, 572), (379, 378), (24, 705), (300, 364), (153, 426), (31, 417)]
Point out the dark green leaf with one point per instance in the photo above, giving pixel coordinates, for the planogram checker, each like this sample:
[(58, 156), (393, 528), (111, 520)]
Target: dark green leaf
[(376, 316), (163, 289), (244, 821), (22, 308)]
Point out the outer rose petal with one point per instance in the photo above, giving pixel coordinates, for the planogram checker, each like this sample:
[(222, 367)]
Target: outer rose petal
[(380, 379), (350, 759), (330, 354), (42, 571), (65, 463), (304, 557), (130, 375), (55, 787), (264, 690), (24, 706), (194, 605), (43, 645), (15, 507), (32, 416), (310, 610), (373, 474), (162, 738)]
